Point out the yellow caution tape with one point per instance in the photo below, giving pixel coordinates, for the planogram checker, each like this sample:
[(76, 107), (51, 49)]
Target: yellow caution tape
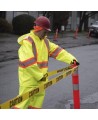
[(58, 71), (66, 71)]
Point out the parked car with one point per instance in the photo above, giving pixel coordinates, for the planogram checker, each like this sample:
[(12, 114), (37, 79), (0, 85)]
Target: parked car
[(93, 29)]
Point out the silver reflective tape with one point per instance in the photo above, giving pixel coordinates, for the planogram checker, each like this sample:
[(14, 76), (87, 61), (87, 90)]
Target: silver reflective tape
[(47, 44), (30, 40), (55, 53), (75, 86), (43, 64), (75, 72), (33, 47), (27, 63)]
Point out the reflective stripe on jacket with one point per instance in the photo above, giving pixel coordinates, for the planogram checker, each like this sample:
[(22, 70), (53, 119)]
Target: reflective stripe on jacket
[(33, 59), (60, 53)]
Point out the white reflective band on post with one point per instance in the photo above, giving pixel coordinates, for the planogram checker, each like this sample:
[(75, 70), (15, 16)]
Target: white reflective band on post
[(75, 72), (75, 86)]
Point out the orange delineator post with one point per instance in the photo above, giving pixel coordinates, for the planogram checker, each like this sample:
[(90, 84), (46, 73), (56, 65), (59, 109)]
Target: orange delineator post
[(76, 92), (89, 34), (76, 33), (56, 35)]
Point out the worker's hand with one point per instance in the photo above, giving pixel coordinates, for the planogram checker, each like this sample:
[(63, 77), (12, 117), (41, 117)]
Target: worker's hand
[(74, 62), (43, 79)]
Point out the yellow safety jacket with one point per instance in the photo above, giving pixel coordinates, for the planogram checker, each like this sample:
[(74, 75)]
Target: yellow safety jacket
[(33, 58)]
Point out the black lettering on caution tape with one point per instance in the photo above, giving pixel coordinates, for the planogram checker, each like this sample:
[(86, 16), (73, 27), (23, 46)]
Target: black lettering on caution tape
[(15, 101), (64, 69), (61, 70), (59, 78), (19, 99), (74, 70), (46, 75), (47, 84), (68, 73), (35, 91), (68, 68)]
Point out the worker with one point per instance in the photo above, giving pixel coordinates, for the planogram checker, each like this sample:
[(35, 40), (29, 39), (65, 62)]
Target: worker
[(34, 52)]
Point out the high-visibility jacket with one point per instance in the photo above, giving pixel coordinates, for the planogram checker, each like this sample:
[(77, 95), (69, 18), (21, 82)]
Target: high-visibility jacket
[(33, 61), (33, 58)]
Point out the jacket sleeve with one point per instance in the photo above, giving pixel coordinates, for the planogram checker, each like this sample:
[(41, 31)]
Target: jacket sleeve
[(60, 54), (27, 60)]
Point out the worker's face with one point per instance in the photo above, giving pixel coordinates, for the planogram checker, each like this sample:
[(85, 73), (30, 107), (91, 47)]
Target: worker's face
[(43, 33)]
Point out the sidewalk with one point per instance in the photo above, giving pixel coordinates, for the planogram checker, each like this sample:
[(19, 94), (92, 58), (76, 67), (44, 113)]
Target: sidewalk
[(68, 40), (9, 45)]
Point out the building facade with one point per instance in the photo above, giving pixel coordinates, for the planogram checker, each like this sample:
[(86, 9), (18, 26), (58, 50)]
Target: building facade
[(73, 20)]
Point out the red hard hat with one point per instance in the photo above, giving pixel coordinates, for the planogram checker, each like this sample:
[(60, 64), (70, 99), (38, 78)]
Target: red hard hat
[(43, 22)]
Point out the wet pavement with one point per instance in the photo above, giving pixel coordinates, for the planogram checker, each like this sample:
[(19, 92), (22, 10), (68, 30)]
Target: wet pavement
[(8, 61), (9, 46)]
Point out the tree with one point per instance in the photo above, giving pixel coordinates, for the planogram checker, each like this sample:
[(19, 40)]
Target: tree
[(59, 18), (84, 15), (47, 13), (2, 14)]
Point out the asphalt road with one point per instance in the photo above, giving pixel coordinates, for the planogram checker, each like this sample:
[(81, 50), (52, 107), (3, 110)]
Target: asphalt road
[(9, 67)]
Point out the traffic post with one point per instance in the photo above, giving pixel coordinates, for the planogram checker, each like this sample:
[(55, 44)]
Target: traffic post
[(62, 30), (89, 32), (76, 33), (56, 35), (76, 92)]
